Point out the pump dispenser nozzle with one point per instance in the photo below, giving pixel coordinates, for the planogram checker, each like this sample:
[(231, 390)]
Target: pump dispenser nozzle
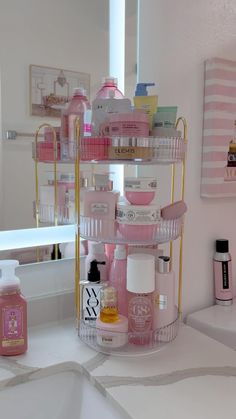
[(94, 273), (141, 89), (8, 280)]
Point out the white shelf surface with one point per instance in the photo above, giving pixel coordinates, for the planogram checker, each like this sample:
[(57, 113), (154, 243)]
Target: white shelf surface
[(217, 322)]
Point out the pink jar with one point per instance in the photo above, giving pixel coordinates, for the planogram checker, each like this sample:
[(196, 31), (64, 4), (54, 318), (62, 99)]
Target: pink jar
[(130, 124), (140, 191), (137, 222), (94, 148)]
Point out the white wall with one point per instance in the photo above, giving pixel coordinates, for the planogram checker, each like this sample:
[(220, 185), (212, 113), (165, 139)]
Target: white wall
[(175, 39), (71, 35)]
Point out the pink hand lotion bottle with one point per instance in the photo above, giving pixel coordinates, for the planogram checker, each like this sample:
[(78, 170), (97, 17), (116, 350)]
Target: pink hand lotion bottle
[(118, 277), (13, 311), (223, 273), (140, 286)]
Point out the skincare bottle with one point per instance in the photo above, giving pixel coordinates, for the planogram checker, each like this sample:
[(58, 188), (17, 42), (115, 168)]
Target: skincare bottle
[(13, 311), (78, 107), (140, 286), (223, 273), (100, 204), (111, 326), (109, 100), (118, 277), (96, 251), (145, 102), (90, 294), (164, 295)]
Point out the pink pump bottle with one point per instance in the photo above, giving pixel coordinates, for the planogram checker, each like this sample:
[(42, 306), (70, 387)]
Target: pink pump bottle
[(13, 311), (118, 277)]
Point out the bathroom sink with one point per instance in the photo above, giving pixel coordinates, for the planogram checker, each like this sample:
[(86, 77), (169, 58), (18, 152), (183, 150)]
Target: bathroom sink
[(66, 395)]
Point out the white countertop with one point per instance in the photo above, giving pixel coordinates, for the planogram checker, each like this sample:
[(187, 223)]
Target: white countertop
[(192, 377), (218, 322)]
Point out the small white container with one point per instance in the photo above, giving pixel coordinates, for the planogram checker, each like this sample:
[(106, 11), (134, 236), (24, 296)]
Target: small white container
[(112, 335)]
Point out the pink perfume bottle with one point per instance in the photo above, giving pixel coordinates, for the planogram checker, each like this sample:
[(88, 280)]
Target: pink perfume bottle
[(99, 209), (140, 286), (13, 311), (223, 273), (118, 277), (164, 296)]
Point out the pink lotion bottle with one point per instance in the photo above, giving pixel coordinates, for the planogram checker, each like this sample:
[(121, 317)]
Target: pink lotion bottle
[(140, 286), (13, 311), (164, 296), (118, 277), (223, 273)]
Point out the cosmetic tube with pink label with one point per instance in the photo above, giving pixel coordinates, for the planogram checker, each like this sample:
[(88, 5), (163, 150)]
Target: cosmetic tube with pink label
[(223, 273), (140, 286), (13, 311)]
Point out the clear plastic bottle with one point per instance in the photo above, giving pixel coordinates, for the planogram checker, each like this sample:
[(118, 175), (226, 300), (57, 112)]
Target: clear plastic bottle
[(109, 84), (78, 107), (118, 277)]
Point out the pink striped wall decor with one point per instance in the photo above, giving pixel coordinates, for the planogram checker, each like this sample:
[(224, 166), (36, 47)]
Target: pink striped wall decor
[(218, 178)]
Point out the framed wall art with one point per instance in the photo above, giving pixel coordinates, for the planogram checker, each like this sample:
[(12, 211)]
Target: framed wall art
[(219, 130), (51, 89)]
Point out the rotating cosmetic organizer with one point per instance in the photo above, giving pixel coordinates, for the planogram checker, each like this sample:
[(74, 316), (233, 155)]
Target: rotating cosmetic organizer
[(137, 151)]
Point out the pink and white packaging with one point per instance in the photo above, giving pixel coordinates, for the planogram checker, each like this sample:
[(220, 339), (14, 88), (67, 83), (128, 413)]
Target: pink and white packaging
[(140, 191), (137, 222), (133, 124)]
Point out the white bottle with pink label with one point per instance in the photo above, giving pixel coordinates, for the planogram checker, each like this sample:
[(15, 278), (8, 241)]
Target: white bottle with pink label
[(140, 286), (223, 273)]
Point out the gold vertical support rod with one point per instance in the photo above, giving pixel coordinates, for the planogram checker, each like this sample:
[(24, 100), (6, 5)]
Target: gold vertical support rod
[(37, 175), (173, 172), (183, 121), (77, 218), (55, 157)]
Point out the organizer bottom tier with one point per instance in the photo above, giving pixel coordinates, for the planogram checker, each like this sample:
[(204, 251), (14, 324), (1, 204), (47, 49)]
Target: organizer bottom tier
[(127, 343)]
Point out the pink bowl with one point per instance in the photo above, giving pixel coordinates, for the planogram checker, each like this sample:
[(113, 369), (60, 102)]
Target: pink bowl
[(140, 198)]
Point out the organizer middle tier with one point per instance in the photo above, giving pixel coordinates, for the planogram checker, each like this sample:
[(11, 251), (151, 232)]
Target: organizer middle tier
[(106, 231)]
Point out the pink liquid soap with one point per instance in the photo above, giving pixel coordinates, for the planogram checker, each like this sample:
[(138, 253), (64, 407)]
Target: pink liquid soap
[(13, 312)]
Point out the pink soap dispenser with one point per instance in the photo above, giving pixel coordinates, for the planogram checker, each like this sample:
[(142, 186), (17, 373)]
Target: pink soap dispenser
[(13, 311), (118, 277)]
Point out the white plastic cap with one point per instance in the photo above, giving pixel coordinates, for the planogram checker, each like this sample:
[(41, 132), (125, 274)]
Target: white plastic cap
[(96, 248), (79, 91), (141, 273), (8, 280), (120, 252)]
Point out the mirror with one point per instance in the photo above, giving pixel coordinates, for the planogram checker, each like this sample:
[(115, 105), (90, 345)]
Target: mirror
[(74, 37)]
